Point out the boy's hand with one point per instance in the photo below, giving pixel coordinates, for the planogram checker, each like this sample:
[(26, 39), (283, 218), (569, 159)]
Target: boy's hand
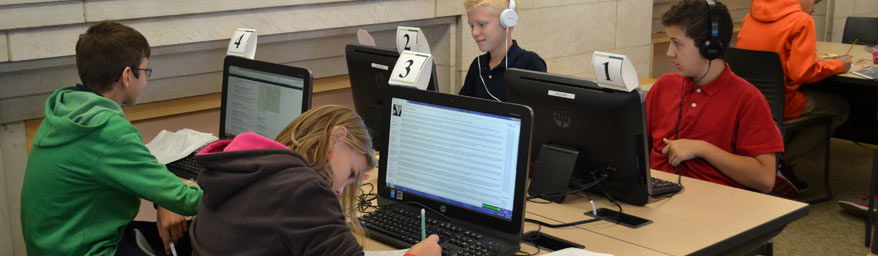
[(682, 150), (846, 61), (171, 227), (428, 247)]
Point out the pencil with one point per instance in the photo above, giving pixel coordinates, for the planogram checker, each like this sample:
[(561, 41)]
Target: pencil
[(423, 225), (851, 48)]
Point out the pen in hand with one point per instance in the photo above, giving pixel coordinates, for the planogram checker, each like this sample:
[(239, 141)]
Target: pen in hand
[(423, 225)]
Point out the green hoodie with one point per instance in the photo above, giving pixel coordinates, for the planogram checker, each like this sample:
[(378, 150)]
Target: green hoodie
[(85, 176)]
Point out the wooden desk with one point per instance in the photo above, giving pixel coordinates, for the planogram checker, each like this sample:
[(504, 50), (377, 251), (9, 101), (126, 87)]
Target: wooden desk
[(705, 218), (858, 52), (592, 241), (859, 92)]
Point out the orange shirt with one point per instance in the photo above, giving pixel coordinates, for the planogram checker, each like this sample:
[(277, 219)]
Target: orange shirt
[(783, 27)]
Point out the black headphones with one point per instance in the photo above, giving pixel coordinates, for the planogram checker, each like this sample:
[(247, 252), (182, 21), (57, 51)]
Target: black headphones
[(712, 47)]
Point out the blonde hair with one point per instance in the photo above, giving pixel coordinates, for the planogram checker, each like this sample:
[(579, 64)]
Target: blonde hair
[(309, 135), (496, 5)]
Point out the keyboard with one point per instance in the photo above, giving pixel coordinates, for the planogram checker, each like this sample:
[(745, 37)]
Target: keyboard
[(662, 187), (186, 167), (401, 227)]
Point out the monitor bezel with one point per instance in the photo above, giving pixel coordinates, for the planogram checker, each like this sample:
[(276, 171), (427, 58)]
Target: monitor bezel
[(263, 66), (515, 224)]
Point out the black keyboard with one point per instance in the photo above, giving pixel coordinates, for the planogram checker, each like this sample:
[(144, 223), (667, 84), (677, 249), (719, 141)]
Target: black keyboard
[(401, 227), (186, 167), (662, 187)]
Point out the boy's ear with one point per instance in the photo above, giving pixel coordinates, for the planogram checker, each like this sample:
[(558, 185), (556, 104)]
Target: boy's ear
[(125, 77)]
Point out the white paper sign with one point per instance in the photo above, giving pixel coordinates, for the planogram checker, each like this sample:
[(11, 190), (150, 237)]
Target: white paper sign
[(243, 43), (411, 39), (364, 38), (614, 71), (412, 69)]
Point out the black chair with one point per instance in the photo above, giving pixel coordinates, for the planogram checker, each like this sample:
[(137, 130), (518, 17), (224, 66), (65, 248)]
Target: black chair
[(763, 69), (873, 190), (862, 29)]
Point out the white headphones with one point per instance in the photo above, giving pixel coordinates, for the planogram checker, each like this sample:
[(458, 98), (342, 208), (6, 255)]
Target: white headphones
[(509, 18)]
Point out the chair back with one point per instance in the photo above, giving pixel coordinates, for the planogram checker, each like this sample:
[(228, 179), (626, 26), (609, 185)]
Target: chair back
[(862, 29), (763, 70)]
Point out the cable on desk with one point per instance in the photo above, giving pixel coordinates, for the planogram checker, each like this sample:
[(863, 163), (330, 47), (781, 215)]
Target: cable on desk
[(611, 200), (562, 225), (365, 199), (575, 190), (531, 239)]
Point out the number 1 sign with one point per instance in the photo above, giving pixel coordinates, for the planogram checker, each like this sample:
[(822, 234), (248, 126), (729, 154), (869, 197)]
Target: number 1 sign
[(614, 71)]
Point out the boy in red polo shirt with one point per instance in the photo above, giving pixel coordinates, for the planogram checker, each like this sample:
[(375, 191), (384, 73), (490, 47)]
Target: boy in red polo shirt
[(706, 122)]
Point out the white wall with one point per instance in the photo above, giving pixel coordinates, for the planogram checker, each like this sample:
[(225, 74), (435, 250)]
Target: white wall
[(841, 9)]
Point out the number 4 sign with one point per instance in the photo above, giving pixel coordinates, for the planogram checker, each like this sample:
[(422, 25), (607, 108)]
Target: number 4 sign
[(243, 43), (412, 69), (614, 71)]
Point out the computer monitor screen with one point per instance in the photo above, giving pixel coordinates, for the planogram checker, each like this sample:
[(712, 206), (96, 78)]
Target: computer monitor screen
[(262, 97), (369, 71), (456, 156), (607, 128)]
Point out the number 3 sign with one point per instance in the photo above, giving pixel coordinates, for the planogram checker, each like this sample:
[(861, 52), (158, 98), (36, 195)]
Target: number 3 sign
[(412, 69), (614, 71), (243, 43)]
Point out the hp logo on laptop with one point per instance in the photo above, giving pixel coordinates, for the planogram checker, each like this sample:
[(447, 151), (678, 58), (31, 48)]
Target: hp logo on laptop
[(442, 208), (561, 118)]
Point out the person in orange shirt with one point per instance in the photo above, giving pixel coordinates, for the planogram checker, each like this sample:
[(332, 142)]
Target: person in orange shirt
[(787, 28)]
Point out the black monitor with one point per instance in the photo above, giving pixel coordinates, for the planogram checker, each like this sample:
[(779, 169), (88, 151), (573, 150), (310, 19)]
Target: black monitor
[(603, 129), (369, 71), (465, 156), (261, 97)]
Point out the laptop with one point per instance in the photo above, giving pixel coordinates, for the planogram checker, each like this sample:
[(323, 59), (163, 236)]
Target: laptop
[(258, 97), (462, 159)]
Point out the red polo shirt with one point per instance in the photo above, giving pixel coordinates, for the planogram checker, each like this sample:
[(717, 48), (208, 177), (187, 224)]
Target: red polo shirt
[(729, 113)]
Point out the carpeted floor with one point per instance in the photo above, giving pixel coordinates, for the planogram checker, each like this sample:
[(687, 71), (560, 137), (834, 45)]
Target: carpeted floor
[(827, 230)]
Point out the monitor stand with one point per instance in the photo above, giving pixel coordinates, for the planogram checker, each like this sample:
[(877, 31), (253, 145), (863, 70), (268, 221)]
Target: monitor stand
[(552, 172)]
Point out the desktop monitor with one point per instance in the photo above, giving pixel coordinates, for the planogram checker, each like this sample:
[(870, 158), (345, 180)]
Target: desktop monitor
[(464, 156), (605, 128), (261, 97), (369, 71)]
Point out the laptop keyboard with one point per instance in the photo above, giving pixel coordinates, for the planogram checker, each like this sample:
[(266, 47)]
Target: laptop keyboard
[(662, 187), (401, 227), (186, 167)]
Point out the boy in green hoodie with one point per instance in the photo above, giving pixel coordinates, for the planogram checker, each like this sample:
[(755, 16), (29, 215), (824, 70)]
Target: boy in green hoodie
[(89, 167)]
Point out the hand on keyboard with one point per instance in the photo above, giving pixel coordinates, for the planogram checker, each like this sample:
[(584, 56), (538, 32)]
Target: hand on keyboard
[(427, 247)]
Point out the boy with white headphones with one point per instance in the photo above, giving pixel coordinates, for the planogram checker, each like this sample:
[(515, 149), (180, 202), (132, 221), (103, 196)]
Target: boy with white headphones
[(491, 22)]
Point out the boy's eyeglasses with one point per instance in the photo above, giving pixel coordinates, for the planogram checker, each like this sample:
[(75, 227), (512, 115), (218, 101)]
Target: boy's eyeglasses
[(146, 71)]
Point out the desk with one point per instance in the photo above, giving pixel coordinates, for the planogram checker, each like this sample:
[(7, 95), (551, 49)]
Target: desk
[(858, 52), (860, 93), (704, 219)]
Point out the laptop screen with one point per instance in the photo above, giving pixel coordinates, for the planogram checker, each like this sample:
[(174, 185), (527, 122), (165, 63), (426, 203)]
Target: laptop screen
[(261, 102), (455, 156)]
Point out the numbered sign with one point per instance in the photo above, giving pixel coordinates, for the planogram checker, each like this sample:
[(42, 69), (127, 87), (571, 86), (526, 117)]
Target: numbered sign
[(412, 69), (411, 39), (364, 38), (614, 71), (243, 43)]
